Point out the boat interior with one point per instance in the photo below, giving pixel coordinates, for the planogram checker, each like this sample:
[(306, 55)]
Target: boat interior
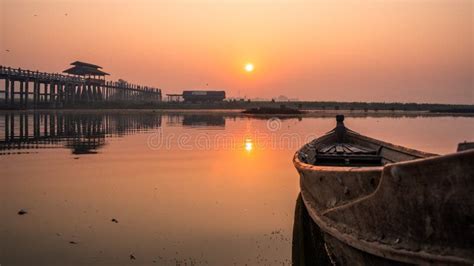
[(344, 147)]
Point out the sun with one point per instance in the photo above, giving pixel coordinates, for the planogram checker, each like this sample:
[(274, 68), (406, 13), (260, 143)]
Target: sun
[(249, 67)]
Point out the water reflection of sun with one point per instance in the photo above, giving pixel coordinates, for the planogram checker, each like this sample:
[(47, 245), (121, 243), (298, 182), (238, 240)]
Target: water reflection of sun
[(248, 145)]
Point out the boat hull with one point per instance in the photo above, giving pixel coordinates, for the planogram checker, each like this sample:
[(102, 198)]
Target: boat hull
[(415, 212)]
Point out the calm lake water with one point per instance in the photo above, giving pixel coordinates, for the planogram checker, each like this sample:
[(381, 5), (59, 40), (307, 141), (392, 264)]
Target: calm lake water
[(185, 188)]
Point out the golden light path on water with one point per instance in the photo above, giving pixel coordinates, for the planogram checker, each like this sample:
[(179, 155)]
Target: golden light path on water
[(248, 145), (201, 201)]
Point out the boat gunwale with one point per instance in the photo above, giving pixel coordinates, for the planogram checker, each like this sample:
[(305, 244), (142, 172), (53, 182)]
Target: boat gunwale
[(391, 146), (330, 168)]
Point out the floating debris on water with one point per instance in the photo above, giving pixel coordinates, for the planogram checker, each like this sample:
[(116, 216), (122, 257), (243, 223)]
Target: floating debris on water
[(22, 212), (114, 220)]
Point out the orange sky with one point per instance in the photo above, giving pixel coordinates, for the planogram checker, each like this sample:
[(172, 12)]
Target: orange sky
[(349, 50)]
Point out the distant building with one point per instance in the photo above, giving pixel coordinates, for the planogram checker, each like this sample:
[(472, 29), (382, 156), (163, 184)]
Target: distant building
[(174, 98), (203, 96)]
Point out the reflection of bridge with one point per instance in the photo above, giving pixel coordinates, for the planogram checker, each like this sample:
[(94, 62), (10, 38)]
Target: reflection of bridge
[(196, 120), (26, 89), (82, 133)]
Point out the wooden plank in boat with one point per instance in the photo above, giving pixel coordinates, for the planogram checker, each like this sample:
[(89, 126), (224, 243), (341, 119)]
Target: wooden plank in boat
[(353, 156), (362, 150), (357, 150), (325, 148), (346, 148)]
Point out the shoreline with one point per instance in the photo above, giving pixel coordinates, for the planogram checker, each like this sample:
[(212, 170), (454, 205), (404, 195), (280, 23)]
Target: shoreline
[(238, 112), (321, 107)]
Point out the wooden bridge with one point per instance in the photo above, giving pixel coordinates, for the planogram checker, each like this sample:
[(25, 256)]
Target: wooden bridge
[(32, 89)]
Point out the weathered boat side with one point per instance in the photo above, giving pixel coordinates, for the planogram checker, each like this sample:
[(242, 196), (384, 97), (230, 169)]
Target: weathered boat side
[(328, 188), (417, 210), (308, 245), (422, 212)]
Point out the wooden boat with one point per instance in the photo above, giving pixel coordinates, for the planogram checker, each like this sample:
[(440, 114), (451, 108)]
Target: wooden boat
[(378, 203)]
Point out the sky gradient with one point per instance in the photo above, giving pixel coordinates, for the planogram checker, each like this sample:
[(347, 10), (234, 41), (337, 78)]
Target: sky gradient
[(345, 50)]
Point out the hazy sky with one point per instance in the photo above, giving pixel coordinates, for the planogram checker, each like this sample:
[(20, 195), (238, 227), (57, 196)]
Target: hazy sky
[(350, 50)]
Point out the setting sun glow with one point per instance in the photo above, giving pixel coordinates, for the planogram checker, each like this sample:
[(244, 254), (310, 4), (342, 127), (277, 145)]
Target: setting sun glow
[(249, 67)]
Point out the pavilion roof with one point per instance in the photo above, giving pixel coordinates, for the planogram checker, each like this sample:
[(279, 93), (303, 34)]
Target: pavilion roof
[(80, 63), (82, 69)]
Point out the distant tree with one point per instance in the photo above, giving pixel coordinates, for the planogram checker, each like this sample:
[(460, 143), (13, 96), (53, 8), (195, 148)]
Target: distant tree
[(282, 98)]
